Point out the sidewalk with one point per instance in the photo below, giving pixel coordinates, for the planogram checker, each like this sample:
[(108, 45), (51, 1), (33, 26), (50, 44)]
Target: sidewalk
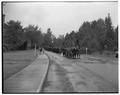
[(30, 79)]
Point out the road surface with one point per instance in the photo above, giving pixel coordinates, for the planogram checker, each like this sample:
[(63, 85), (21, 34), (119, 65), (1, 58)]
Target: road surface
[(55, 73), (88, 74)]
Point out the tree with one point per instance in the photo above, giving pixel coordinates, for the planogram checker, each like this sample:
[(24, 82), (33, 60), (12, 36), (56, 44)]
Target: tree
[(116, 39), (100, 35), (84, 35), (13, 36), (109, 41), (34, 35), (48, 38), (58, 42)]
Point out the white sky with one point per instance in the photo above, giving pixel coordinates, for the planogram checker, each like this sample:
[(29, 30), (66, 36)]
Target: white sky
[(59, 16)]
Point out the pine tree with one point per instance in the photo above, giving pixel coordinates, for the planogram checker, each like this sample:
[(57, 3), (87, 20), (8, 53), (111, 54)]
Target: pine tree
[(109, 39)]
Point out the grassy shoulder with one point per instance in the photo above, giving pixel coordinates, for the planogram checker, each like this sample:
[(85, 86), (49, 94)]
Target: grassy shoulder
[(107, 56), (13, 62)]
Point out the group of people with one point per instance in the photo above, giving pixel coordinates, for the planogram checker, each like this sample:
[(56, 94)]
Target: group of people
[(71, 53), (67, 52)]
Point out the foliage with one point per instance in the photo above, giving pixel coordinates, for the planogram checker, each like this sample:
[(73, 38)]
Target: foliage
[(109, 40), (97, 35), (48, 38), (33, 35), (13, 35)]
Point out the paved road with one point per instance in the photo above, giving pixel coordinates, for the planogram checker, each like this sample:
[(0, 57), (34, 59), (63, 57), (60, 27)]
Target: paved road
[(77, 75), (30, 79)]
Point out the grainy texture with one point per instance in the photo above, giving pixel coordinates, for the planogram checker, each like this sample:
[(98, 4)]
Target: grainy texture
[(57, 81), (29, 79), (87, 74), (13, 62)]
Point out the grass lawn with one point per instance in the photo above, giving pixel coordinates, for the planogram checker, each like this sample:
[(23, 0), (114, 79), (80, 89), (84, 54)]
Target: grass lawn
[(13, 62)]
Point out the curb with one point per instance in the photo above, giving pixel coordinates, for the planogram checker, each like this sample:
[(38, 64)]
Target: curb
[(44, 78)]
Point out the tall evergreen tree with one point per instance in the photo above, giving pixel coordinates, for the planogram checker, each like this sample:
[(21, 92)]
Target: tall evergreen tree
[(109, 40)]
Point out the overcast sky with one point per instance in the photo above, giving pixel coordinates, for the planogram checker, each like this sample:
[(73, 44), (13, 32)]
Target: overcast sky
[(60, 17)]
